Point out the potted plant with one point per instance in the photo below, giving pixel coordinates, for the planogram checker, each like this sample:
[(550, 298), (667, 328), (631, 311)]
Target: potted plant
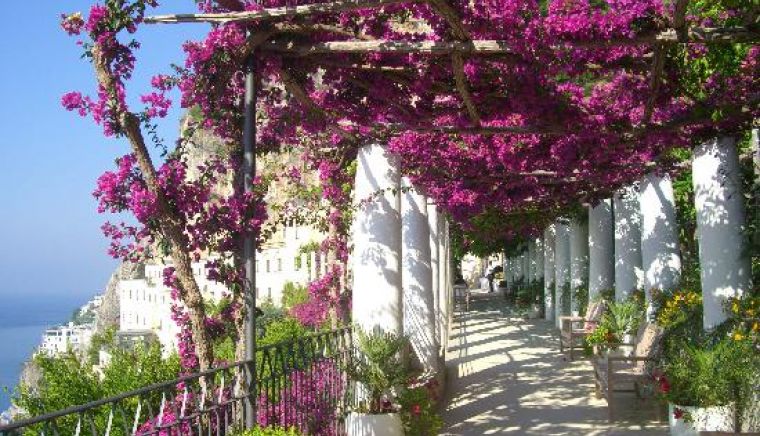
[(418, 411), (625, 318), (616, 327), (705, 383), (380, 375)]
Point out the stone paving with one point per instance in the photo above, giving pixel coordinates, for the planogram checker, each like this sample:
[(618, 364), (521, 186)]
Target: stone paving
[(506, 376)]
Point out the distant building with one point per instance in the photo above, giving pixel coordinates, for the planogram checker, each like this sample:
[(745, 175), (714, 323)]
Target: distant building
[(58, 340), (145, 303)]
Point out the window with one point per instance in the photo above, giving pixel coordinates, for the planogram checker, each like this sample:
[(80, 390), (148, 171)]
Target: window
[(267, 265), (279, 264)]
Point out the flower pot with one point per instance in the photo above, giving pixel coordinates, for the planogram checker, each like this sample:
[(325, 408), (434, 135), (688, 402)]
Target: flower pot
[(364, 424), (535, 311), (715, 418), (628, 338)]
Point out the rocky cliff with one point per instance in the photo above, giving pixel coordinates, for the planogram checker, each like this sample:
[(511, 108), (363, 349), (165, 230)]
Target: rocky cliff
[(108, 313)]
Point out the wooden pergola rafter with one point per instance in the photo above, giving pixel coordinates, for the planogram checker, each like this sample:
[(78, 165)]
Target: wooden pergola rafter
[(278, 21)]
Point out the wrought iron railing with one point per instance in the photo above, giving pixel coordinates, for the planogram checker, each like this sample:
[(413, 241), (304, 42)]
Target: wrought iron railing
[(300, 384)]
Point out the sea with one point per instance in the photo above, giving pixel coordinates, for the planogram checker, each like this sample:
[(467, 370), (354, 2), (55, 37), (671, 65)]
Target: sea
[(23, 319)]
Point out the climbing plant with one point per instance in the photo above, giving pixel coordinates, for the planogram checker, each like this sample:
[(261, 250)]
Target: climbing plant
[(574, 99)]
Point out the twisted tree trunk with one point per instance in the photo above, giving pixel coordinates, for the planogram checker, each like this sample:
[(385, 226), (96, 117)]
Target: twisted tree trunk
[(170, 223)]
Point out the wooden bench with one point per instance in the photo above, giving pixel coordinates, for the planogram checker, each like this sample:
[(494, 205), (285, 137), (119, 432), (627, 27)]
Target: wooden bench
[(575, 328), (616, 373)]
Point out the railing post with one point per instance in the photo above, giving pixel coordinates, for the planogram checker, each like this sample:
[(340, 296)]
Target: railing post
[(249, 242)]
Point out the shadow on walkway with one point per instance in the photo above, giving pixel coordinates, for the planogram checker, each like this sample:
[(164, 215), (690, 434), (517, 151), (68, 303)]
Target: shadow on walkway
[(506, 376)]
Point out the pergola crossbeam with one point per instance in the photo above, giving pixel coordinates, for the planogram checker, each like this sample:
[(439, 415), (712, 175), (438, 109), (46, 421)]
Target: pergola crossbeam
[(482, 47), (268, 14)]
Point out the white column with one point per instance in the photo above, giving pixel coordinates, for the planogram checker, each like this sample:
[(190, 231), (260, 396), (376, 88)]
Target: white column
[(538, 259), (578, 260), (628, 270), (725, 268), (376, 301), (561, 268), (447, 284), (416, 278), (442, 300), (549, 241), (432, 215), (531, 261), (601, 248), (660, 253), (313, 268), (526, 267), (519, 267)]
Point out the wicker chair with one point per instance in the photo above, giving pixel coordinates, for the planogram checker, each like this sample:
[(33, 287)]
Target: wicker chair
[(627, 373), (576, 328)]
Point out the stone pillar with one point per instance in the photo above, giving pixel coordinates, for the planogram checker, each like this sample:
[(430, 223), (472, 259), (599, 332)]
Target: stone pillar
[(442, 298), (432, 216), (561, 268), (628, 269), (601, 247), (447, 284), (530, 261), (578, 260), (725, 268), (313, 265), (376, 301), (538, 270), (549, 243), (526, 267), (660, 252), (417, 279)]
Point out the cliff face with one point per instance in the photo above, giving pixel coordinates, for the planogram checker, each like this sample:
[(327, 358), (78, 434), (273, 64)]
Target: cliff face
[(108, 313)]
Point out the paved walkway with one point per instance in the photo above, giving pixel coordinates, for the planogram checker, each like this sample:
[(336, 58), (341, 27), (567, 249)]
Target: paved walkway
[(505, 376)]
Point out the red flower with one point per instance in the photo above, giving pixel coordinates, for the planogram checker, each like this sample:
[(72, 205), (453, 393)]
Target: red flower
[(664, 385), (678, 413), (416, 410)]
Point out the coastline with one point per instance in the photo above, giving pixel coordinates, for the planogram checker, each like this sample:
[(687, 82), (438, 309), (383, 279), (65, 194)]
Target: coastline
[(17, 344)]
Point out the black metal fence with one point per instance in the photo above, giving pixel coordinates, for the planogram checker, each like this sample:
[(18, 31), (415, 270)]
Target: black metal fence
[(300, 384)]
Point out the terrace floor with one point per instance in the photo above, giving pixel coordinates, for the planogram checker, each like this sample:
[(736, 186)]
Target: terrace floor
[(506, 376)]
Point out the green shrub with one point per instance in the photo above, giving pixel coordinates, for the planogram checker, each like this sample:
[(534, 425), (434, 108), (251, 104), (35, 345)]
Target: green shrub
[(710, 374), (379, 369), (581, 296), (293, 295), (418, 412)]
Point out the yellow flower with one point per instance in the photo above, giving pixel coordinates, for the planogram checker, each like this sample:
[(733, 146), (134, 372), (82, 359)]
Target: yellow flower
[(738, 336), (735, 307), (756, 326)]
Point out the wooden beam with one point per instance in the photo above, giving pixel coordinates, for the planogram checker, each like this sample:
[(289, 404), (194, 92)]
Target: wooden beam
[(496, 47), (451, 16), (658, 62), (457, 64), (485, 130), (268, 14), (386, 46), (679, 20), (655, 79)]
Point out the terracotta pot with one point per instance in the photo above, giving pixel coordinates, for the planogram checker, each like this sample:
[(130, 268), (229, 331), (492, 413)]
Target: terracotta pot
[(716, 418), (364, 424)]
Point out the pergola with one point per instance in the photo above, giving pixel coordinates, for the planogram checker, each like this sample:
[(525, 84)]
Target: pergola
[(278, 30)]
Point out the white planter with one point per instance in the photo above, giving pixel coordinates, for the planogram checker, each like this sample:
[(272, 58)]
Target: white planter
[(534, 312), (362, 424), (628, 339), (716, 418)]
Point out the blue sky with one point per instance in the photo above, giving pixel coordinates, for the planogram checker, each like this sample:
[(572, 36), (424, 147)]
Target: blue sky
[(50, 240)]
